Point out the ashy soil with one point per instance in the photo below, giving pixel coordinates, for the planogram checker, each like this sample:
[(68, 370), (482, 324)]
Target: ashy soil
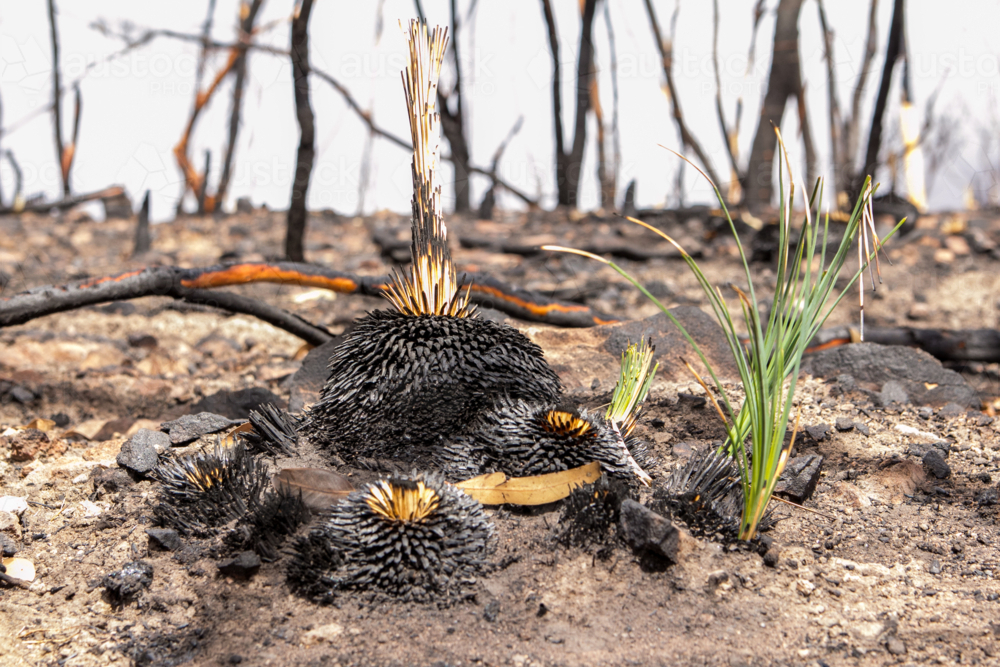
[(887, 563)]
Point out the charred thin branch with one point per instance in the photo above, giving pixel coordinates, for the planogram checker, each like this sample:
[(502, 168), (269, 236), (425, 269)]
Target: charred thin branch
[(893, 49), (666, 49), (365, 116), (296, 226), (206, 33), (57, 96), (489, 199), (852, 130), (202, 192), (240, 71), (568, 165), (142, 236), (194, 284), (62, 204)]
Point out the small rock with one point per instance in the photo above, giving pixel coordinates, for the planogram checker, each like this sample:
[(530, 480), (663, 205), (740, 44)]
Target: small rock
[(191, 427), (800, 477), (235, 659), (30, 443), (862, 428), (950, 411), (139, 453), (7, 546), (492, 611), (805, 588), (819, 432), (935, 464), (142, 340), (109, 480), (919, 311), (22, 395), (325, 633), (244, 566), (844, 424), (771, 558), (895, 646), (645, 530), (10, 524), (847, 382), (61, 419), (715, 579), (13, 504), (935, 567), (129, 581), (893, 392), (164, 538)]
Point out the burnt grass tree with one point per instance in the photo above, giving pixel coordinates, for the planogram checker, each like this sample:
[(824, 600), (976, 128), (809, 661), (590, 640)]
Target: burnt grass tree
[(569, 164), (297, 216)]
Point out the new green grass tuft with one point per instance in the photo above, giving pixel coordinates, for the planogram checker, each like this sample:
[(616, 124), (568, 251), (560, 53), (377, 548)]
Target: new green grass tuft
[(769, 360)]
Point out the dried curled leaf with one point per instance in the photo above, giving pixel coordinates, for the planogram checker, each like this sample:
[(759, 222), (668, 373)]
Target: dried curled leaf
[(320, 489), (230, 438), (496, 489), (20, 568)]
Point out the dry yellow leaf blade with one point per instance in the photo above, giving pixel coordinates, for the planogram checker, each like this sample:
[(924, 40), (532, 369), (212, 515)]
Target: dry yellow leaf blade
[(230, 438), (496, 489)]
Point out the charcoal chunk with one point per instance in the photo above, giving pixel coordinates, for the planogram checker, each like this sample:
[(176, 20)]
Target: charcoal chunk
[(164, 538), (244, 566), (645, 530), (128, 582), (935, 464), (800, 477)]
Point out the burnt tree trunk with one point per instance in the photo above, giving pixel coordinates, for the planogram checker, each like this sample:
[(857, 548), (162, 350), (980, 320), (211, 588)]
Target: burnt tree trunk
[(296, 229), (568, 165), (240, 70), (784, 80), (893, 49)]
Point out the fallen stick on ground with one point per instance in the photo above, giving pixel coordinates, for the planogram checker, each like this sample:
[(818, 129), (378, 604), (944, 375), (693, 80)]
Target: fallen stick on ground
[(193, 285)]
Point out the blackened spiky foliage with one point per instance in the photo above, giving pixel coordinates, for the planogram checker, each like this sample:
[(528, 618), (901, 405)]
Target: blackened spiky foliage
[(275, 432), (400, 384), (400, 381), (412, 537), (522, 438), (591, 512), (199, 494), (706, 496), (267, 524)]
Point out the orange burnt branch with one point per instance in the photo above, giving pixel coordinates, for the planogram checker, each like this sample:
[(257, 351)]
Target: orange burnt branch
[(192, 179)]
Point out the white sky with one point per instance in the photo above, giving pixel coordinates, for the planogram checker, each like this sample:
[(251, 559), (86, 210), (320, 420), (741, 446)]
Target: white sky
[(135, 109)]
